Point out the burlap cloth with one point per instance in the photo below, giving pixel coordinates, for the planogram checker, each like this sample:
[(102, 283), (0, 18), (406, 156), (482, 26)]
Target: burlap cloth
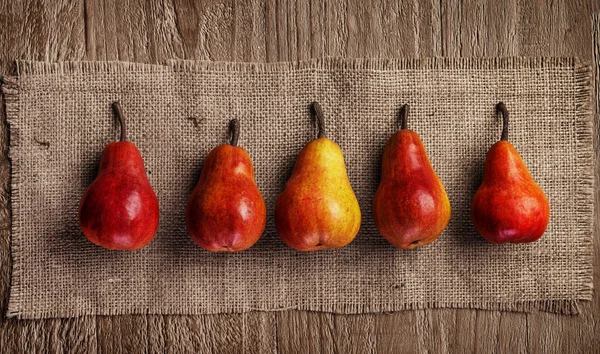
[(60, 119)]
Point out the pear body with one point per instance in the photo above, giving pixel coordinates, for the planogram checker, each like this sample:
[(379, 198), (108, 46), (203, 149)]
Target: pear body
[(318, 208), (411, 207), (226, 211), (509, 206), (119, 210)]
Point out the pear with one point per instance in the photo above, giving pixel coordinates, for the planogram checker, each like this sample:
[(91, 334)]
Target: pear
[(119, 209), (226, 212), (411, 207), (509, 206), (318, 209)]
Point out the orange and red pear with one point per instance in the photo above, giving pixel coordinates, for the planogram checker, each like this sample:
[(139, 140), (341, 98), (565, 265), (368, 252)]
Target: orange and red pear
[(226, 212), (509, 206), (411, 207)]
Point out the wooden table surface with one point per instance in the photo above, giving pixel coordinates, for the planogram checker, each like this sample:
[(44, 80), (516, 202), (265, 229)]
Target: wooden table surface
[(267, 31)]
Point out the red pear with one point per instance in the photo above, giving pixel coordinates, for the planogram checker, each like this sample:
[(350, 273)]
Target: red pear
[(509, 206), (119, 209), (226, 212), (411, 207)]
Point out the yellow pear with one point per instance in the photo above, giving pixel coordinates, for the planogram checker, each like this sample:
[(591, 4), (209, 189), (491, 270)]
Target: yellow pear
[(318, 209)]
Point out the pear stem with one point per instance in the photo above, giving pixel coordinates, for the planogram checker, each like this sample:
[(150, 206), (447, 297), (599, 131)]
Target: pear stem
[(501, 107), (121, 118), (320, 120), (234, 131), (404, 116)]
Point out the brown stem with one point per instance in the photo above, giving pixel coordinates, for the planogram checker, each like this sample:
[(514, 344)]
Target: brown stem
[(119, 114), (404, 116), (234, 131), (501, 107), (320, 120)]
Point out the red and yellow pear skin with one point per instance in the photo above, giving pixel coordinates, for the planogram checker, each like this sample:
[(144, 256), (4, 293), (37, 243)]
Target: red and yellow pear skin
[(226, 211), (318, 209), (509, 206), (119, 209), (411, 207)]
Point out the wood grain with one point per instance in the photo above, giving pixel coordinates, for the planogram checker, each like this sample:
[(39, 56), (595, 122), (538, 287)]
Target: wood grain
[(271, 30)]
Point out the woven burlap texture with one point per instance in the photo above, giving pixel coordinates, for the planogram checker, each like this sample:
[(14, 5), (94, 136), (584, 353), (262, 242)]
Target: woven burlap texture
[(60, 119)]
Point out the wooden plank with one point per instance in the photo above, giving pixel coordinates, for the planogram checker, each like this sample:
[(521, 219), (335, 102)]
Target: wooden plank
[(451, 28), (570, 25), (75, 335), (304, 332), (592, 311), (282, 30), (488, 28), (354, 333), (122, 334), (312, 332), (487, 325), (302, 22), (318, 35), (336, 20), (131, 28), (399, 332), (463, 339), (249, 31), (252, 332), (446, 330), (512, 333)]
